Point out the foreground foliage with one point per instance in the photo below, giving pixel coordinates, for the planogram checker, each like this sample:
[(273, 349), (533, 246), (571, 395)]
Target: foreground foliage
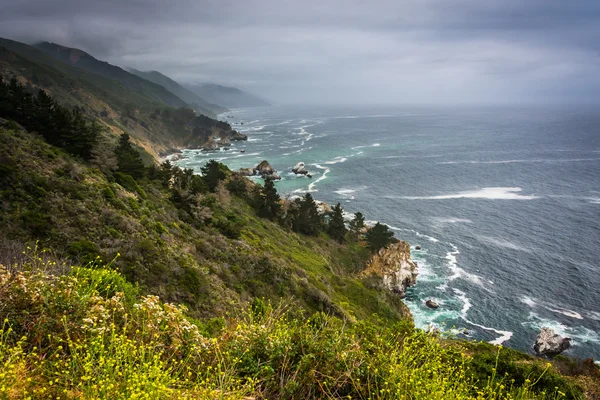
[(88, 334)]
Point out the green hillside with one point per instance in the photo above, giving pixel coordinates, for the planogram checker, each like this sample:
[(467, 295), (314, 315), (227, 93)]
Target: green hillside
[(181, 92), (153, 125), (83, 60)]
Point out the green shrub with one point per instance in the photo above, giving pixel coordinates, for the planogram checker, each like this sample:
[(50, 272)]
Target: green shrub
[(83, 251)]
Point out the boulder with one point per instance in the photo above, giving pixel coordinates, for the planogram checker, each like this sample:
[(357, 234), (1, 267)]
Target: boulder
[(548, 342), (265, 170), (431, 304), (395, 268), (247, 171), (210, 145), (300, 169), (417, 247)]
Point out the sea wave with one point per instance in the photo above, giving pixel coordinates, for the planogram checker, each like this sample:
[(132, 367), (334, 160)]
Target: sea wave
[(489, 193), (532, 160)]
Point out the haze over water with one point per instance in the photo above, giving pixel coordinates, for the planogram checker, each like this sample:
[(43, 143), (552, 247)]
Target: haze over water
[(504, 203)]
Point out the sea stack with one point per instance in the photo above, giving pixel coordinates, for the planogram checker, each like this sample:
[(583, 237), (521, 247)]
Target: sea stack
[(550, 343)]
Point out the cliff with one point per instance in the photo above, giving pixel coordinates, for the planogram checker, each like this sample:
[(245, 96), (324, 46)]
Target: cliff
[(394, 267)]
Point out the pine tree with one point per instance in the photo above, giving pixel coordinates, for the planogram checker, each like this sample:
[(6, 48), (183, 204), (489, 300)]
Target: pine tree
[(270, 205), (379, 236), (356, 225), (128, 158), (307, 219), (337, 227), (213, 173)]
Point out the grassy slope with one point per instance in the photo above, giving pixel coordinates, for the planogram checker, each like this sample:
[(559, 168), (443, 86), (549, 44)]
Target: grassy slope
[(49, 196)]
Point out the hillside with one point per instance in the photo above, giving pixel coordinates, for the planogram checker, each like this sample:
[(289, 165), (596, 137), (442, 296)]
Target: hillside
[(227, 96), (153, 125), (83, 60), (186, 95)]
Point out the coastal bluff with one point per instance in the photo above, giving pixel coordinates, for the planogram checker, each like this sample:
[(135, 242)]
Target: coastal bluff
[(394, 267)]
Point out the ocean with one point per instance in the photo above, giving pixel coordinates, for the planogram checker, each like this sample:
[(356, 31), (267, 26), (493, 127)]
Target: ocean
[(504, 203)]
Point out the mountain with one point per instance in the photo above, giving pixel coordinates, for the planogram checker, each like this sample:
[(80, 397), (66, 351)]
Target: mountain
[(227, 96), (186, 95), (83, 60), (140, 108)]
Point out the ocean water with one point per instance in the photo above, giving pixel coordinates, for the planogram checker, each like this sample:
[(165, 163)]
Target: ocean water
[(504, 202)]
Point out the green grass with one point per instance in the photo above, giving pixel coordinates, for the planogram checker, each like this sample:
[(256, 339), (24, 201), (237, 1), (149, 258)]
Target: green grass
[(89, 335)]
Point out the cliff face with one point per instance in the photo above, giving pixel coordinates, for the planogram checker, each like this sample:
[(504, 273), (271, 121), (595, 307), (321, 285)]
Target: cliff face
[(395, 268)]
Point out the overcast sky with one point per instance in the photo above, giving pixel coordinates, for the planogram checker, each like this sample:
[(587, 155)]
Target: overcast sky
[(339, 51)]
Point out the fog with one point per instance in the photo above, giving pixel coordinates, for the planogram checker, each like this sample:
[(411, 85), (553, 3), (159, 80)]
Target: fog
[(339, 52)]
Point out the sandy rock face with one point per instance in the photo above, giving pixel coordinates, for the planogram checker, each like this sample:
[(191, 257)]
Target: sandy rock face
[(394, 266)]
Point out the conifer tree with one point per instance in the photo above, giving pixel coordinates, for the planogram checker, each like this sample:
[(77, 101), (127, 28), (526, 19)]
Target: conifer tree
[(128, 158), (379, 236), (356, 225), (212, 174), (307, 219), (270, 201), (337, 227)]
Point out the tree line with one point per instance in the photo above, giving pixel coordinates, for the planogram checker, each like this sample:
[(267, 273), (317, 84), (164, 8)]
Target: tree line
[(60, 126)]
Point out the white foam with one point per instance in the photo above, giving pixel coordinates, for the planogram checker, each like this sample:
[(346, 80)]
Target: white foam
[(533, 303), (459, 273), (452, 220), (336, 160), (365, 146), (311, 187), (490, 193), (529, 301), (504, 335), (505, 244), (539, 160), (578, 333)]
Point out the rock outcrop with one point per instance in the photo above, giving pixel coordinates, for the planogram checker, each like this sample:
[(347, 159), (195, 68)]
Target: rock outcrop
[(395, 268), (300, 169), (224, 142), (548, 342), (323, 208), (247, 172), (210, 145), (235, 135), (265, 170)]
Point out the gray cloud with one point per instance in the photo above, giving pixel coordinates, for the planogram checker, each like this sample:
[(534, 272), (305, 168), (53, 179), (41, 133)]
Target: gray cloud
[(402, 51)]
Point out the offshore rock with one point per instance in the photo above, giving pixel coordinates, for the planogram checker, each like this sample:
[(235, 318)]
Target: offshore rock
[(548, 342), (395, 268), (265, 170), (300, 169), (431, 304)]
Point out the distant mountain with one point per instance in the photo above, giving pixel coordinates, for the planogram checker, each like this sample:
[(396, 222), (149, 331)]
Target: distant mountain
[(83, 60), (227, 96), (172, 86)]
